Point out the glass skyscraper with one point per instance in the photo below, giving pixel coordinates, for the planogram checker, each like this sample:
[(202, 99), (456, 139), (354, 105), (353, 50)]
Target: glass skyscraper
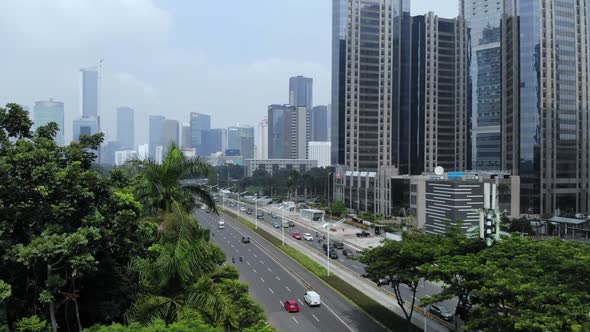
[(301, 91), (198, 123), (126, 128), (242, 139), (277, 131), (319, 123), (50, 111), (545, 103), (89, 92), (156, 134), (483, 18), (338, 111)]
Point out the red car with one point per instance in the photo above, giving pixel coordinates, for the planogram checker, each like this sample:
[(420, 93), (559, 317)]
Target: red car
[(291, 306), (296, 235)]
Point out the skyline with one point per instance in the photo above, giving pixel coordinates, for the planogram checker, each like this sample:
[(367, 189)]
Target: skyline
[(158, 56)]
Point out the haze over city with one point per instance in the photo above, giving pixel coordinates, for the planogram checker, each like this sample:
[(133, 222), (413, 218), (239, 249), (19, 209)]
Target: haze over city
[(226, 59)]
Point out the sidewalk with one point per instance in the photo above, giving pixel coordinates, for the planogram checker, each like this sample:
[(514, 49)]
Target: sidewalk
[(369, 288)]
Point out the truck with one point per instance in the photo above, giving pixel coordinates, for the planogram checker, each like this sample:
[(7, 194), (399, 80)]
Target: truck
[(221, 224)]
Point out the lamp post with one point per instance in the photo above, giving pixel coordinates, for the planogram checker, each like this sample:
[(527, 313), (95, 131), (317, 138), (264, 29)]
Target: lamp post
[(282, 229), (239, 203), (256, 210), (328, 244)]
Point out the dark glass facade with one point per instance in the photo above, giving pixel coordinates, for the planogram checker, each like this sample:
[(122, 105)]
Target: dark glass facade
[(277, 132), (212, 141), (484, 85), (156, 134), (338, 113), (126, 128), (319, 124), (198, 123), (301, 91)]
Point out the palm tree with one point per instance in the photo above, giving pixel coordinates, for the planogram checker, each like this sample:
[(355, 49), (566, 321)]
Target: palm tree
[(159, 186), (181, 273)]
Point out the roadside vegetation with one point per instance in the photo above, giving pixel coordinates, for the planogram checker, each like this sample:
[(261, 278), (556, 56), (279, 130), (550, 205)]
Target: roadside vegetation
[(517, 284), (117, 252)]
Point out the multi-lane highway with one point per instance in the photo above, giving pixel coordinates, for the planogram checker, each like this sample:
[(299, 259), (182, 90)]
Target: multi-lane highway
[(274, 278), (424, 289)]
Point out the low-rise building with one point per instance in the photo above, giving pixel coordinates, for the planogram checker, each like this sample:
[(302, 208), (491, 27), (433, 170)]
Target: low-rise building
[(273, 165), (121, 157)]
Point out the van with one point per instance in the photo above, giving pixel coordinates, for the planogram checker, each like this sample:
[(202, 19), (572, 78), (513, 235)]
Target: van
[(221, 224), (312, 298), (285, 224)]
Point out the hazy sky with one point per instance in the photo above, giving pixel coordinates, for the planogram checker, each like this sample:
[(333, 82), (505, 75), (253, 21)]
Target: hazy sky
[(226, 58)]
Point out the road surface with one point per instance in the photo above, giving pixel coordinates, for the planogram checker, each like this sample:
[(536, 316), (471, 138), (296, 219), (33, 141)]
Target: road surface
[(274, 278)]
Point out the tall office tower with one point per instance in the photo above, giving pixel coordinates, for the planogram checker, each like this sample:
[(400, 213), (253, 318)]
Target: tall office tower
[(212, 141), (126, 128), (198, 123), (50, 111), (319, 124), (483, 18), (439, 118), (156, 134), (89, 92), (298, 132), (185, 136), (241, 138), (338, 95), (277, 132), (84, 126), (377, 77), (301, 91), (262, 139), (545, 102), (170, 132)]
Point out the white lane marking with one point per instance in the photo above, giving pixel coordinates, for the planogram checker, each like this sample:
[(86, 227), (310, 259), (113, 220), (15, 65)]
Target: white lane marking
[(255, 256), (279, 279), (255, 271), (261, 279), (273, 293), (248, 263), (289, 289), (315, 317), (269, 270), (236, 250), (261, 262), (299, 301), (295, 320), (249, 250), (300, 282)]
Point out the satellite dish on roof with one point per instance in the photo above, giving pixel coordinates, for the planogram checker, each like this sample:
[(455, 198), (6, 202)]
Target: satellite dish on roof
[(439, 170)]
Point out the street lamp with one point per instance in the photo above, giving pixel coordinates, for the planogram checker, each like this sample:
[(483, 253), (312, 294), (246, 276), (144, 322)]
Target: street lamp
[(256, 210), (239, 203), (282, 227)]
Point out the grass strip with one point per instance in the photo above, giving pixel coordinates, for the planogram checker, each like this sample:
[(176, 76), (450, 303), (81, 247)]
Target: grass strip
[(385, 316)]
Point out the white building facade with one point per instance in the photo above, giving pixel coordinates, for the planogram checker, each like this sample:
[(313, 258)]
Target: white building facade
[(320, 151)]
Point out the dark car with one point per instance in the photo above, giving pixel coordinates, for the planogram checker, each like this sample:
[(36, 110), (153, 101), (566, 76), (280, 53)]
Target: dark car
[(291, 224), (249, 211), (245, 239), (273, 215), (333, 254), (363, 234), (325, 246), (347, 252), (338, 244), (383, 281), (260, 216), (441, 311)]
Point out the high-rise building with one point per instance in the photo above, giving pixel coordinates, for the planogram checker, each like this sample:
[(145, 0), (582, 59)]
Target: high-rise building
[(212, 141), (170, 133), (198, 123), (438, 133), (156, 134), (143, 151), (85, 126), (545, 103), (340, 21), (319, 151), (298, 132), (301, 91), (50, 111), (483, 18), (241, 138), (126, 128), (185, 139), (89, 92), (262, 139), (277, 132), (376, 100), (319, 123)]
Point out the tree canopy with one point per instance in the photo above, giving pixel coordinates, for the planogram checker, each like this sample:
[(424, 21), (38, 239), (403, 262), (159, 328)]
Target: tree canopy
[(79, 248)]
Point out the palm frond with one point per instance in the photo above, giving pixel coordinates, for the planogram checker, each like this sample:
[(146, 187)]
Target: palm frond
[(203, 195)]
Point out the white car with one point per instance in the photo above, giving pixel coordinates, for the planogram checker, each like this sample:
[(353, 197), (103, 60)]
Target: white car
[(312, 298), (307, 237)]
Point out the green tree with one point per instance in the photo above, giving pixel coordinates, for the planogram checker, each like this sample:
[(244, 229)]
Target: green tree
[(60, 223), (31, 324), (338, 208), (159, 187)]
